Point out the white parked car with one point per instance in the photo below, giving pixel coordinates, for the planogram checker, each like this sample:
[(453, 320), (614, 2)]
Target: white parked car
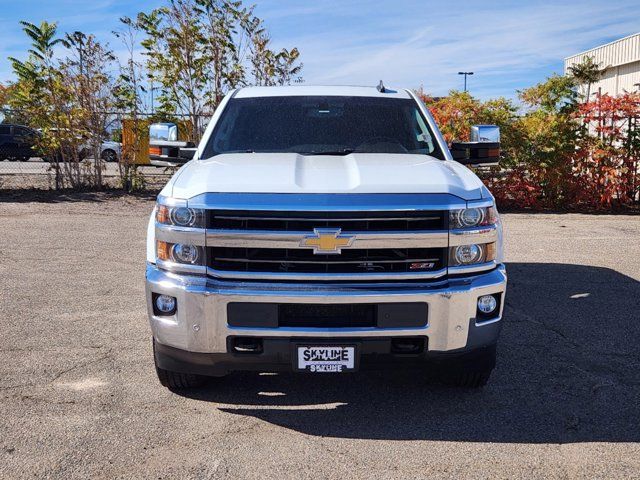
[(109, 151), (326, 229)]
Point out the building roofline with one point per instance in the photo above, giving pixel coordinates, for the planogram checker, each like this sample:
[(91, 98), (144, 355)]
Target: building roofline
[(600, 46)]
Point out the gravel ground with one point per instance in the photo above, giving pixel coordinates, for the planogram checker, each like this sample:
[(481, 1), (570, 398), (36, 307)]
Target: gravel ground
[(79, 397)]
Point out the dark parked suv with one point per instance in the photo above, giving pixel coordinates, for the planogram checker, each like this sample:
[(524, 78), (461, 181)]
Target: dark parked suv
[(16, 142)]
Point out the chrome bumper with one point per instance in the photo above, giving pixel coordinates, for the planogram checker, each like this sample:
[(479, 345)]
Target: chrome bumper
[(200, 323)]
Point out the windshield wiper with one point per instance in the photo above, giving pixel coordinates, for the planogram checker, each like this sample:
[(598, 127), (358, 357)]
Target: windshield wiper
[(344, 151), (246, 150)]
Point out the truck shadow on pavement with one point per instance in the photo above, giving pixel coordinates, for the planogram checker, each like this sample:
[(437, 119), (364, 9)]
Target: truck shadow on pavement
[(568, 371)]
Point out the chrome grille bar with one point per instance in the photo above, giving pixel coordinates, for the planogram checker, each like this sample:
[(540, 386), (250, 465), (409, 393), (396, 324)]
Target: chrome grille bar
[(363, 240), (362, 276), (339, 262)]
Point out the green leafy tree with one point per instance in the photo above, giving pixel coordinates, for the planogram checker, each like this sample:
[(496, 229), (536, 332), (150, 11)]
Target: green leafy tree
[(228, 28), (197, 50), (66, 99), (177, 58), (41, 93), (586, 73), (555, 95), (551, 134), (270, 67)]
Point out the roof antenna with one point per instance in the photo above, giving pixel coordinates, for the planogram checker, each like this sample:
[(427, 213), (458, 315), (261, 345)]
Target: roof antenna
[(381, 88)]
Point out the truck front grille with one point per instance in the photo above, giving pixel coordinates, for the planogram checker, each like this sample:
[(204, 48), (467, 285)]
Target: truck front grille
[(276, 260), (298, 245), (401, 221)]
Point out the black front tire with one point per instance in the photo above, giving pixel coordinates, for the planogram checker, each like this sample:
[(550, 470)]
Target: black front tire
[(177, 380), (469, 371)]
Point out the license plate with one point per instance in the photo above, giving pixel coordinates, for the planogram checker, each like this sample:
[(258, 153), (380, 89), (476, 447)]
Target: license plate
[(326, 358)]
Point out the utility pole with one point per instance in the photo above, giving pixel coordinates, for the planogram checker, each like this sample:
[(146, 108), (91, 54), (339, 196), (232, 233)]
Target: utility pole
[(465, 78)]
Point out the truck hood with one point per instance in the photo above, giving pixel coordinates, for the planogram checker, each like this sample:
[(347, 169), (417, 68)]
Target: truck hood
[(353, 173)]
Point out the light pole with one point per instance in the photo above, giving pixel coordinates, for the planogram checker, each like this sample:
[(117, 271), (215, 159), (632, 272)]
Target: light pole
[(465, 78)]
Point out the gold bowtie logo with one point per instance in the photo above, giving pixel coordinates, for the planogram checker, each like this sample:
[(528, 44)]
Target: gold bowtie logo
[(327, 240)]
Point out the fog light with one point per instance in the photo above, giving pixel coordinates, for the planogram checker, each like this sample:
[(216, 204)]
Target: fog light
[(165, 303), (487, 304)]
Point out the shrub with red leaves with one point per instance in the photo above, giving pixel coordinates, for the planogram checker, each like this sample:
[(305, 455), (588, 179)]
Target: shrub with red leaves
[(558, 154)]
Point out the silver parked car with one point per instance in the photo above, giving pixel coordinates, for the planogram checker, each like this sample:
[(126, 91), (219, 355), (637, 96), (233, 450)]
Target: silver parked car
[(109, 151)]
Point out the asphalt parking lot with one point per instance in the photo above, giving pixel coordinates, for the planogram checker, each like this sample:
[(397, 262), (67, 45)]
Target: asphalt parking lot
[(79, 397)]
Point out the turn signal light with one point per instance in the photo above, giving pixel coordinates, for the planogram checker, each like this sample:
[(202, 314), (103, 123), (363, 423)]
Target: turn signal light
[(163, 250), (162, 214), (490, 252)]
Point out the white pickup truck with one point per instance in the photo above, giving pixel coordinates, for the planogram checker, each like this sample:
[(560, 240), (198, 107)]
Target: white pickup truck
[(326, 229)]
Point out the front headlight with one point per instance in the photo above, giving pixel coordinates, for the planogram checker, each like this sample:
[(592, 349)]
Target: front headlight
[(179, 253), (180, 216), (472, 217), (464, 255)]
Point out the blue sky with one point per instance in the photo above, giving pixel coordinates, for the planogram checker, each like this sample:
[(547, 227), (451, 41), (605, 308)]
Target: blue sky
[(408, 43)]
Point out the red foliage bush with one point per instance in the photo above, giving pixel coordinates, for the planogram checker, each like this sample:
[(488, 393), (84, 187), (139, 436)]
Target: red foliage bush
[(607, 158), (560, 154)]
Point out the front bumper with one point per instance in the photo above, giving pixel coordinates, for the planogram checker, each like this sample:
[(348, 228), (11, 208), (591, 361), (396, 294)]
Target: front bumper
[(200, 322)]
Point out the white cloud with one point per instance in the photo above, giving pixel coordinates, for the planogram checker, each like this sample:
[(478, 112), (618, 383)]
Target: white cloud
[(506, 45), (407, 43)]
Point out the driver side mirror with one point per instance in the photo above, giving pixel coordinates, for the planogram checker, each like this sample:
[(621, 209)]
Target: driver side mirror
[(483, 149)]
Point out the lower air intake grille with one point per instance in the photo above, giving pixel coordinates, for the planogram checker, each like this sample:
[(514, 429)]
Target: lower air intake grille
[(312, 315)]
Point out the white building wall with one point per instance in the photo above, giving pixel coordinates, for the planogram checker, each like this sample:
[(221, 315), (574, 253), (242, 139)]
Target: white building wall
[(622, 62)]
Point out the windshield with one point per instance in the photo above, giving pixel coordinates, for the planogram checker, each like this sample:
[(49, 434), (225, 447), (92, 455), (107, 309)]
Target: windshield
[(315, 125)]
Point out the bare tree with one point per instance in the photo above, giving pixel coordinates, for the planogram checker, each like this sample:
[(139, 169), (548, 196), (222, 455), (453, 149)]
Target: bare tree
[(88, 67), (128, 91)]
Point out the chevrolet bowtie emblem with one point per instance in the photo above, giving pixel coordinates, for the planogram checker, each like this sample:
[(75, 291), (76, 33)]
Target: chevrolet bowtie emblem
[(327, 240)]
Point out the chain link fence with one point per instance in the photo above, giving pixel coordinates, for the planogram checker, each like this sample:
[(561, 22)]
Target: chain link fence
[(22, 168), (36, 173)]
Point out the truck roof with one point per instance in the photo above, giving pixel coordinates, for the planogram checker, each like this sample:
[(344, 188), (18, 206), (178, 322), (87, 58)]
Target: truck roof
[(320, 90)]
